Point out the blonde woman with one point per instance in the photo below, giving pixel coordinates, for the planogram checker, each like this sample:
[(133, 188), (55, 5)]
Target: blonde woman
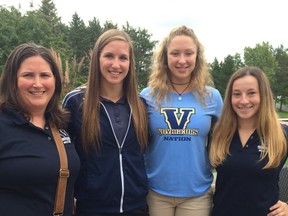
[(248, 149), (181, 106)]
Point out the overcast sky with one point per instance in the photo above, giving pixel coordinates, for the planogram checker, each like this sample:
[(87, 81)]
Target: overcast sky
[(223, 26)]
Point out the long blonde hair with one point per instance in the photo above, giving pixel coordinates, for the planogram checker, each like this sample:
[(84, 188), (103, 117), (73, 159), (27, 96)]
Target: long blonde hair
[(91, 131), (159, 76), (269, 129)]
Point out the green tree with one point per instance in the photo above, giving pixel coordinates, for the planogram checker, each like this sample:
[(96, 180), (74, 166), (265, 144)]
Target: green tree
[(33, 29), (143, 48), (94, 30), (108, 24), (217, 75), (222, 71), (53, 27), (9, 38), (78, 38), (262, 56), (48, 12), (281, 76)]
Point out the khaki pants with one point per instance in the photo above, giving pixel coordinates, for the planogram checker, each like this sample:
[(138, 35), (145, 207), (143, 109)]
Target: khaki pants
[(161, 205)]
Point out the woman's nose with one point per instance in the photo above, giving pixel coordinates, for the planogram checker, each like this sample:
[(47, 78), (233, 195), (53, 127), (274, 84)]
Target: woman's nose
[(37, 81)]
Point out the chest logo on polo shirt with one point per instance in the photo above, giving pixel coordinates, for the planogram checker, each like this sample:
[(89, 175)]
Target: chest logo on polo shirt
[(177, 120), (65, 136), (261, 148)]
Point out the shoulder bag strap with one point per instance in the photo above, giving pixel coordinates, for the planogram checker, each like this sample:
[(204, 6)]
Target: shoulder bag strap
[(63, 174)]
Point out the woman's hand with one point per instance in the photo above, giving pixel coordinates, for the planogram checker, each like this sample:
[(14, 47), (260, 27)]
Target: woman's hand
[(279, 209)]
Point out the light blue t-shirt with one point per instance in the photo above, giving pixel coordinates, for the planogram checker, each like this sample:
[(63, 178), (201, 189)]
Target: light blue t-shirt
[(177, 159)]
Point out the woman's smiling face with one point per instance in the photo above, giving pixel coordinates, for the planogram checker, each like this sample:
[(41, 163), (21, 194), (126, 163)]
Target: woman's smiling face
[(114, 62), (36, 84), (246, 97)]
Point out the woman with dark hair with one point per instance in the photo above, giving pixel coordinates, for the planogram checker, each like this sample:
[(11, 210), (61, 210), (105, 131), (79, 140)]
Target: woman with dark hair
[(30, 90)]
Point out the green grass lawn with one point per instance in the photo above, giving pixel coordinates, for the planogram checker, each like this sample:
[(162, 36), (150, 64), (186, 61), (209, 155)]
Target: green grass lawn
[(283, 114)]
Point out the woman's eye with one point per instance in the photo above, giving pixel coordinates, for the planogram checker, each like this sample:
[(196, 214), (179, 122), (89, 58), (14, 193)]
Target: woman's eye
[(124, 58), (28, 75), (108, 56), (45, 75), (251, 93)]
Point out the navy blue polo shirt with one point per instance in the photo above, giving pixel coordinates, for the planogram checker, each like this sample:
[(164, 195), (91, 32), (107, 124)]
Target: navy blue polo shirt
[(119, 115), (243, 188), (29, 168)]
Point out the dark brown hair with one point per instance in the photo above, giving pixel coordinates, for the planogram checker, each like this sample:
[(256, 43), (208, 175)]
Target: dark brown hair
[(9, 98)]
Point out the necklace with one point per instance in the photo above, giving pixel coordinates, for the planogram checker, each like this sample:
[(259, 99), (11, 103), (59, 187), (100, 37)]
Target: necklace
[(180, 93), (180, 83)]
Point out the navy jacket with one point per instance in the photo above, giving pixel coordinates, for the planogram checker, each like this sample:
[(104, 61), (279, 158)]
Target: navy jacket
[(114, 180)]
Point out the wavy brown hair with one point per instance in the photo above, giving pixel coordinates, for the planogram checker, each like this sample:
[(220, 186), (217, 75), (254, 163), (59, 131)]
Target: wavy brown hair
[(91, 131), (269, 129)]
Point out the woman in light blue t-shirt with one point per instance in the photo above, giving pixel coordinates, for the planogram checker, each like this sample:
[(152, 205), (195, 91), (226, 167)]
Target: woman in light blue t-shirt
[(181, 106)]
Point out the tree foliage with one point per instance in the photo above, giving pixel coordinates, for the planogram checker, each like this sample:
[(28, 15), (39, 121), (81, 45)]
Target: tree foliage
[(10, 20), (281, 76), (262, 56), (222, 71), (273, 61), (143, 47), (72, 44)]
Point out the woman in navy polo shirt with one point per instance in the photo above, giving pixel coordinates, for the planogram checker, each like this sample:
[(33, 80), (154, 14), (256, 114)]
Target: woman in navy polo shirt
[(248, 149), (30, 90)]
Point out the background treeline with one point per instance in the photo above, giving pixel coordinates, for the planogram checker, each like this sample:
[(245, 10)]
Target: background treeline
[(72, 44)]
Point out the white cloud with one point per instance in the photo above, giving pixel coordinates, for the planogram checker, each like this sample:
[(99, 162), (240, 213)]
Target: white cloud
[(223, 26)]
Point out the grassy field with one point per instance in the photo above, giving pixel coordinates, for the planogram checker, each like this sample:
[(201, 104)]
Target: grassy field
[(283, 114)]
